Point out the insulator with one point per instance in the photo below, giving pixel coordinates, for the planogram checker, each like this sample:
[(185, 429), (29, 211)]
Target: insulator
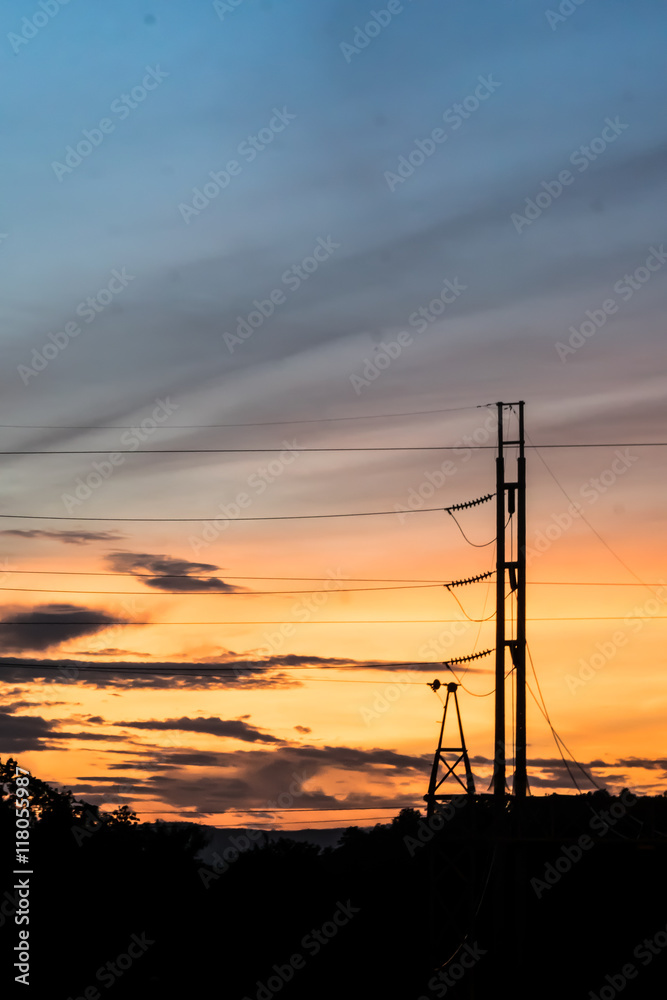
[(467, 659), (470, 503), (470, 579)]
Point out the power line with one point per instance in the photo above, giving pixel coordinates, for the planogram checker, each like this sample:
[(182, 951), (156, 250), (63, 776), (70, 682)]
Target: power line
[(357, 621), (213, 593), (212, 520), (188, 576), (318, 579), (262, 423), (216, 668), (239, 593), (555, 735), (588, 523), (252, 451)]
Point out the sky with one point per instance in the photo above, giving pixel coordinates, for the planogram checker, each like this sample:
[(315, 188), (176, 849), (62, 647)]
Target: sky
[(269, 227)]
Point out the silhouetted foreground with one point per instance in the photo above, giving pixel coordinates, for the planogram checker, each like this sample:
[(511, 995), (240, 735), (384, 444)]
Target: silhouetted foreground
[(564, 897)]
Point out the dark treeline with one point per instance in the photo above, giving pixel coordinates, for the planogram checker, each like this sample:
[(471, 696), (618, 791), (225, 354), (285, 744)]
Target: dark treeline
[(560, 896)]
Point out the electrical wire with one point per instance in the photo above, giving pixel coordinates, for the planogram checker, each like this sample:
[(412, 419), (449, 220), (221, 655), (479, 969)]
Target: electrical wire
[(556, 737), (588, 523), (212, 520), (251, 451), (477, 545), (475, 915), (213, 593), (323, 579), (346, 621), (263, 423)]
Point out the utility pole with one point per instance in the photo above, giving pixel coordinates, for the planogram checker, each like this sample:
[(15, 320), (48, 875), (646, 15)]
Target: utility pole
[(499, 755), (520, 775), (510, 499)]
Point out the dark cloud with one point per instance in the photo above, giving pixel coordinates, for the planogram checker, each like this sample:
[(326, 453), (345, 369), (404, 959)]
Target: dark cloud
[(123, 675), (232, 728), (50, 625), (170, 574), (660, 763), (69, 537), (21, 733), (204, 795), (171, 760), (111, 651), (235, 671), (16, 706), (262, 777), (303, 729)]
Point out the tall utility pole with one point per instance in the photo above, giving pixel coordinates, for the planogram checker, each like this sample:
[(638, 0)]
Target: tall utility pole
[(519, 649), (510, 499), (499, 754)]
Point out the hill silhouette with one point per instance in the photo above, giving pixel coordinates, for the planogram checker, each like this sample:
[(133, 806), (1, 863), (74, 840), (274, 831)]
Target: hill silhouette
[(557, 896)]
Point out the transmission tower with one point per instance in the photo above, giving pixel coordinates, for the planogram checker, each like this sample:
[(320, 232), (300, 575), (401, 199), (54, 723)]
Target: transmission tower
[(432, 796)]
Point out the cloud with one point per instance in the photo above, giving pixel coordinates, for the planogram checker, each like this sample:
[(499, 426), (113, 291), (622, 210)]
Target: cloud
[(69, 537), (303, 729), (31, 629), (16, 706), (232, 728), (22, 733), (235, 670), (170, 574), (110, 651), (259, 776), (153, 674)]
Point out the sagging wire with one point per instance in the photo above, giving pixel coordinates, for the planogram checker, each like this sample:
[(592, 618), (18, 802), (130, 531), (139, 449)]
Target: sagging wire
[(475, 915), (465, 506)]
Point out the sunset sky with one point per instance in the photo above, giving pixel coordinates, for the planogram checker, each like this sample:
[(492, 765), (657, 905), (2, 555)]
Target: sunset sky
[(494, 164)]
